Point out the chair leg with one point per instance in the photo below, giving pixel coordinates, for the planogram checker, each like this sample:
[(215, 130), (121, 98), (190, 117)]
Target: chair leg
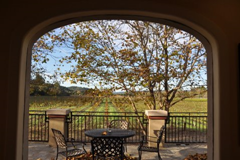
[(125, 144), (139, 155), (159, 157), (57, 156), (57, 153), (93, 155)]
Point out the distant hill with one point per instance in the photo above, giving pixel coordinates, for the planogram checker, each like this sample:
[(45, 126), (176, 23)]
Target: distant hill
[(75, 90), (39, 87), (119, 93)]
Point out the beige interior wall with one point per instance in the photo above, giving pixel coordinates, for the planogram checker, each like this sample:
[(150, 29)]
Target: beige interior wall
[(24, 20)]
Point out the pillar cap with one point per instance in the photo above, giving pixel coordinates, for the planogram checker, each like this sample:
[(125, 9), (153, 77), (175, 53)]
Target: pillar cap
[(58, 111), (156, 113)]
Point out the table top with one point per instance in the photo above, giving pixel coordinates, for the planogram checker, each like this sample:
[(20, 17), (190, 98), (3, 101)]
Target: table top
[(119, 133)]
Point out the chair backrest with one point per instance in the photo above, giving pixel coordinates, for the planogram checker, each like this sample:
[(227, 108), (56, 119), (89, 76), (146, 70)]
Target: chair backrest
[(120, 124), (161, 134), (107, 147), (59, 138)]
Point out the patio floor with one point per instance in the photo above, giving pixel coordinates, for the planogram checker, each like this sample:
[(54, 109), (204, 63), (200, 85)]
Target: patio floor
[(42, 151)]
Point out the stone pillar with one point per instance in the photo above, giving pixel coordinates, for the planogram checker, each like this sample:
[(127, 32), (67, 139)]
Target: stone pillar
[(57, 120), (156, 119)]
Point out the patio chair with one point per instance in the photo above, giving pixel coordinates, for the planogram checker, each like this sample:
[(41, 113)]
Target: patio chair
[(62, 143), (120, 124), (143, 147), (105, 148)]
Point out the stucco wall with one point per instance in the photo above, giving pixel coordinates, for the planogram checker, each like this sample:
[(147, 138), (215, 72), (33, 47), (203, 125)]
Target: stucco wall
[(216, 20)]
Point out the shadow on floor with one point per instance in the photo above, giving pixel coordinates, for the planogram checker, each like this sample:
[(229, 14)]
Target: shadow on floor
[(42, 151)]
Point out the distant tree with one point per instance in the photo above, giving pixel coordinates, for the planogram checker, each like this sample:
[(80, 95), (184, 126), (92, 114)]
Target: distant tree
[(38, 80), (55, 89), (37, 85), (199, 91)]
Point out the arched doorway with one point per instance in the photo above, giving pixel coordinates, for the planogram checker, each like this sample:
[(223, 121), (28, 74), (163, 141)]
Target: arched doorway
[(173, 21)]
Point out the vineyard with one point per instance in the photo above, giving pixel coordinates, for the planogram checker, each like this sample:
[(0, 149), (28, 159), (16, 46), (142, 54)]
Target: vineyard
[(108, 104)]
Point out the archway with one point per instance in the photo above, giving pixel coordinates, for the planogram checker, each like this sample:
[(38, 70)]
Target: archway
[(173, 21)]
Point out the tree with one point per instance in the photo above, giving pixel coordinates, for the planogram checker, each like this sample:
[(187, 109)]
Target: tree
[(133, 56), (37, 85), (38, 80), (55, 89)]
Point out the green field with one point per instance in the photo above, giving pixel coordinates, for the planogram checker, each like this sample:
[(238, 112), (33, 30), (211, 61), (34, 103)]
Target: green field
[(112, 104)]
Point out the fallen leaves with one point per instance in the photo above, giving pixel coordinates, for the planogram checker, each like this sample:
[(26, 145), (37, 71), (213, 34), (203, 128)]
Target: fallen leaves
[(88, 156), (196, 157)]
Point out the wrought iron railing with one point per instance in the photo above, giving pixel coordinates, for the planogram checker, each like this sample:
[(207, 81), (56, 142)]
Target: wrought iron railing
[(38, 126), (79, 122), (186, 128), (181, 127)]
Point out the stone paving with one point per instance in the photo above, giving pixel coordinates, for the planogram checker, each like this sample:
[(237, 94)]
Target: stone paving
[(42, 151)]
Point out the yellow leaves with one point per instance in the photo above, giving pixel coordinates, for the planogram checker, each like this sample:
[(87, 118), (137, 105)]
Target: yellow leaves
[(135, 44), (35, 55), (73, 76), (36, 60)]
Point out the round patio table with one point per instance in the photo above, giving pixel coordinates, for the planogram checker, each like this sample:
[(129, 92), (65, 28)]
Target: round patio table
[(108, 144), (115, 133)]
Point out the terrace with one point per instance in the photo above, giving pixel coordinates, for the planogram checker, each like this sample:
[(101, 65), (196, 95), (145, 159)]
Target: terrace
[(185, 133), (41, 150)]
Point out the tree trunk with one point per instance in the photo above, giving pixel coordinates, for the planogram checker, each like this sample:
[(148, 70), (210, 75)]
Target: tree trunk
[(153, 100), (167, 106), (136, 112)]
